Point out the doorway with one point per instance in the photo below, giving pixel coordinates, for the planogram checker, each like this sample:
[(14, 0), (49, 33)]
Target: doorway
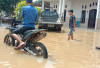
[(92, 18), (83, 15), (55, 10), (64, 15)]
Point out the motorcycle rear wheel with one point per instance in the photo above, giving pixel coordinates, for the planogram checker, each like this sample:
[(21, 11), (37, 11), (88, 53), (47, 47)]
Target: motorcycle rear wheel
[(41, 49)]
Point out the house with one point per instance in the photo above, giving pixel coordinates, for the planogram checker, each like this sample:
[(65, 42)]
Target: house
[(39, 4), (87, 11)]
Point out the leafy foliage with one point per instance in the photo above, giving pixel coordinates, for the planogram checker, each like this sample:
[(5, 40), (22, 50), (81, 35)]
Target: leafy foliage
[(17, 10), (39, 11), (8, 5)]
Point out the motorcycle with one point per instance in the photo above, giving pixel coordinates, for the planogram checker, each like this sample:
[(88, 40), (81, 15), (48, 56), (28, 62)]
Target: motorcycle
[(31, 38)]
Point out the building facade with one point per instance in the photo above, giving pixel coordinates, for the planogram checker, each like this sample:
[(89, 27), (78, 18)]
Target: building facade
[(87, 11)]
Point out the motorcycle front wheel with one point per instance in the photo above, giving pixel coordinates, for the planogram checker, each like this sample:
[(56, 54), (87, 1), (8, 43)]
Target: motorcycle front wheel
[(40, 49)]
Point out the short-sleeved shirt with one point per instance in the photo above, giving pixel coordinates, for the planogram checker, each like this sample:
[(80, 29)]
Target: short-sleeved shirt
[(71, 20), (29, 15)]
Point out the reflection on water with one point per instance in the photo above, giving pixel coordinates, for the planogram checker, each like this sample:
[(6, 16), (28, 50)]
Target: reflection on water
[(4, 25), (80, 53)]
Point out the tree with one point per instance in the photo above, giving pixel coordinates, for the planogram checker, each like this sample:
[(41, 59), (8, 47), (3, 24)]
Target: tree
[(8, 5), (17, 10)]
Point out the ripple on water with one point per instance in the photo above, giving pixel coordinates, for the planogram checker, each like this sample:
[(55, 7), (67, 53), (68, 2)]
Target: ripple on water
[(5, 63)]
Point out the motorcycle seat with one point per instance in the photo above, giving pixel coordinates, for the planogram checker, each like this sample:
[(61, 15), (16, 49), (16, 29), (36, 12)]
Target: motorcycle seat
[(30, 32), (34, 31), (11, 29)]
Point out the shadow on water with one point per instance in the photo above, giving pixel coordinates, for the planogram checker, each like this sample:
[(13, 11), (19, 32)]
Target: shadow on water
[(55, 31)]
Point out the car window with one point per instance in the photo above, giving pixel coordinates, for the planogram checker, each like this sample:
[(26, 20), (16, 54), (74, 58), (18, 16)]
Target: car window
[(49, 14), (43, 14)]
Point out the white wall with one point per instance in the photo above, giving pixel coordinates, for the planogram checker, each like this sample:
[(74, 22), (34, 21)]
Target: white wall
[(52, 3), (77, 7), (68, 3)]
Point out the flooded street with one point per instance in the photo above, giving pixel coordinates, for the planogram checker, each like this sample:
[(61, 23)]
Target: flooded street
[(80, 53)]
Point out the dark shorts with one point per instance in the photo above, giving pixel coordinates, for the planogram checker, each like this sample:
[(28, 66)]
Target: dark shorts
[(22, 30)]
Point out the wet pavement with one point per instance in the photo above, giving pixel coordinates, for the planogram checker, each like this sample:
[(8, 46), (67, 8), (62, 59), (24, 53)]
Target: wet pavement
[(80, 53)]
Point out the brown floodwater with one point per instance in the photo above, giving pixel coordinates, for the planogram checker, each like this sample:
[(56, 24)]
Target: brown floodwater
[(80, 53)]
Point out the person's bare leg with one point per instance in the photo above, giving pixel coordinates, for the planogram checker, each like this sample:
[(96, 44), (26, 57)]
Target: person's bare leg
[(17, 38), (72, 37), (68, 37)]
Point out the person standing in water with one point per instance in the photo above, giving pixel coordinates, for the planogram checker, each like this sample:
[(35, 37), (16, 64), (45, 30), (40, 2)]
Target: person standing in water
[(71, 25)]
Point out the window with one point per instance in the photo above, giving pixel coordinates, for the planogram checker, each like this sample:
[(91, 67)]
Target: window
[(82, 7), (47, 14), (56, 6), (85, 6), (43, 14), (96, 3), (65, 6), (55, 10), (90, 5), (93, 3)]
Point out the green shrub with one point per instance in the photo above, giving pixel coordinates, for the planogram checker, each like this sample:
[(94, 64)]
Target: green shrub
[(17, 10)]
